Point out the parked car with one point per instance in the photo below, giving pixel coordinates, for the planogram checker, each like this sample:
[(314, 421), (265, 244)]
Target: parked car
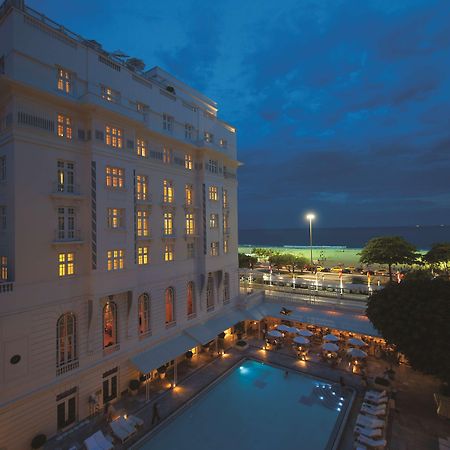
[(336, 269)]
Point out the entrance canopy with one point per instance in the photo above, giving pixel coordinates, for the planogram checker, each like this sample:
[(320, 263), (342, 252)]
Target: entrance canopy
[(207, 331), (162, 353)]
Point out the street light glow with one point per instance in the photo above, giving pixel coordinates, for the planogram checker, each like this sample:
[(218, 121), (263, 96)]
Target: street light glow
[(310, 216)]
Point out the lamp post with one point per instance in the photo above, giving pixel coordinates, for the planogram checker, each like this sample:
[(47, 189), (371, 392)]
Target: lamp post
[(310, 217)]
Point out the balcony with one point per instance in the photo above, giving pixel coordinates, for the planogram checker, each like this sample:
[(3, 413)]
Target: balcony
[(144, 236), (210, 308), (168, 202), (190, 233), (168, 233), (66, 191), (67, 367), (190, 206), (6, 286), (111, 349), (171, 324), (144, 199), (68, 237)]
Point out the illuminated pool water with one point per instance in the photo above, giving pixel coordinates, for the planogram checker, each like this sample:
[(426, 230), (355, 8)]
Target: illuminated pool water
[(257, 407)]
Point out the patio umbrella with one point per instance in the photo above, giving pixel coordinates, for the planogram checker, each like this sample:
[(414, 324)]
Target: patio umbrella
[(356, 353), (329, 347), (300, 340), (284, 328), (274, 334), (356, 342), (293, 330), (331, 338), (305, 333)]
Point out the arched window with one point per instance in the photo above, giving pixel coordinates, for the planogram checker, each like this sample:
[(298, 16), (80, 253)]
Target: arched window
[(109, 324), (144, 314), (210, 292), (66, 339), (170, 305), (226, 288), (190, 298)]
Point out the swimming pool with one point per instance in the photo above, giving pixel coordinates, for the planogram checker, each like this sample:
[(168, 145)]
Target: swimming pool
[(256, 406)]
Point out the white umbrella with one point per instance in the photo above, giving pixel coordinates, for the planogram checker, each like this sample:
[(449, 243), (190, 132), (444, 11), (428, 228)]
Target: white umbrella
[(356, 342), (305, 333), (331, 338), (274, 334), (293, 330), (329, 347), (356, 353), (300, 340), (284, 328)]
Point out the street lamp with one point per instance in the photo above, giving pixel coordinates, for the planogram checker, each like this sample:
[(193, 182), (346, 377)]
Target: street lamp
[(310, 217)]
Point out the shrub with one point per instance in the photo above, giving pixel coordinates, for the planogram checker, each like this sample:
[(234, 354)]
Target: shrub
[(38, 441), (134, 385)]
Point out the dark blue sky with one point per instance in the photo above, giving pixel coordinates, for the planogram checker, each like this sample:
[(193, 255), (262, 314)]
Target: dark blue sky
[(342, 106)]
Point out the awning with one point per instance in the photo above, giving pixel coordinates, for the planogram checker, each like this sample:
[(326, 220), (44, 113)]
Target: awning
[(337, 319), (207, 331), (162, 353)]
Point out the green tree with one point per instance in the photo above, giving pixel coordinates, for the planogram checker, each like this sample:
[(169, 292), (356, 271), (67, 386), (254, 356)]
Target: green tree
[(246, 261), (292, 262), (439, 256), (388, 250), (263, 253), (415, 315)]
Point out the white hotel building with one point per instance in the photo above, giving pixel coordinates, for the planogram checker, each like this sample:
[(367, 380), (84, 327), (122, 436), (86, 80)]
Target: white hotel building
[(118, 202)]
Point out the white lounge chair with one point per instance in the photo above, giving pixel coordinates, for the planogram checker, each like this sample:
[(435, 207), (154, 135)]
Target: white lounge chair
[(369, 421), (135, 421), (374, 393), (98, 441), (375, 400), (123, 434), (131, 428), (372, 443), (375, 411), (368, 432)]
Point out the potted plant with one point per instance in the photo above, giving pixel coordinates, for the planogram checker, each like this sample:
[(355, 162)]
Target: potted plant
[(38, 441), (162, 372), (134, 386), (142, 377), (189, 355), (241, 344)]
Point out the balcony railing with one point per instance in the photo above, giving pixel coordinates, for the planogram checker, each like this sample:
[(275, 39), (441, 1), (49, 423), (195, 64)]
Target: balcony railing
[(143, 235), (6, 286), (144, 199), (66, 190), (168, 234), (190, 233), (171, 324), (67, 237), (210, 308), (111, 349), (168, 202), (192, 316), (67, 367)]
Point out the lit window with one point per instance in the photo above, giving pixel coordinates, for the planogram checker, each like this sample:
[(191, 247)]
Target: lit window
[(141, 147), (188, 128), (142, 256), (115, 177), (168, 252), (213, 220), (116, 218), (168, 122), (66, 264), (168, 224), (189, 194), (110, 95), (64, 81), (113, 137), (190, 229), (214, 250), (141, 187), (110, 324), (3, 218), (142, 222), (170, 305), (168, 191), (4, 268), (142, 107), (226, 229), (66, 339), (115, 260), (64, 126), (190, 299), (66, 176), (213, 193), (225, 246), (209, 137), (188, 161), (144, 314), (167, 155), (66, 407), (2, 168), (213, 166), (190, 248), (223, 143), (225, 198)]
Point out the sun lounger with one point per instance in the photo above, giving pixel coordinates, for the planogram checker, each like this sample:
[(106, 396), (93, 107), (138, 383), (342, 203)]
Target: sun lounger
[(130, 427), (372, 443), (98, 441), (375, 411), (135, 421), (123, 434), (374, 393), (375, 400), (368, 432), (369, 421)]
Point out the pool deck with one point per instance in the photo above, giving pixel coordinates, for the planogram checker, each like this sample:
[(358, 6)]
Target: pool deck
[(413, 425)]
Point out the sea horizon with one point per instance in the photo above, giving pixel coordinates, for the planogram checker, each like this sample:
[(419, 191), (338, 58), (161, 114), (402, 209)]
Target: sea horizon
[(422, 236)]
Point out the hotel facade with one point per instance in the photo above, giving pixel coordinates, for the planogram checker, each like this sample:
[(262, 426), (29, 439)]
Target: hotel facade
[(118, 202)]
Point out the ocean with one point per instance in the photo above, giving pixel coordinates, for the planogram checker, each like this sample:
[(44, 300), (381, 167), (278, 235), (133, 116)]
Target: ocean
[(423, 237)]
